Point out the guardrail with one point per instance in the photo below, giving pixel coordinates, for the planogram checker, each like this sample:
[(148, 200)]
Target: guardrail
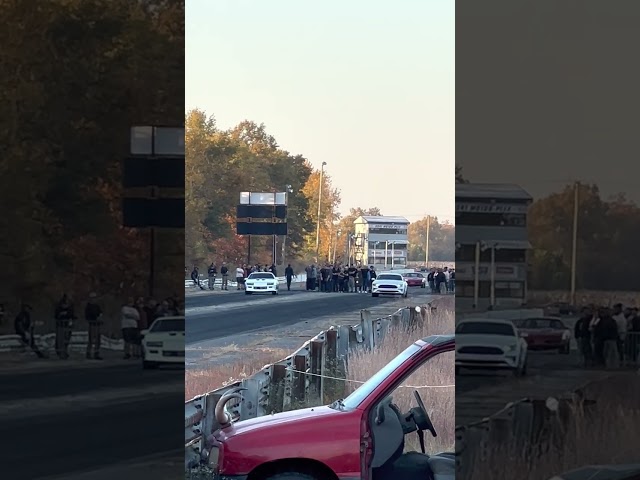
[(78, 342), (280, 386), (518, 425)]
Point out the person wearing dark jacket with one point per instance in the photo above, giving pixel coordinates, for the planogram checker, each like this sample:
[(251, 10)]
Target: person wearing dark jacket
[(211, 273), (224, 271), (288, 274), (93, 315), (372, 276), (64, 315), (24, 329), (583, 336)]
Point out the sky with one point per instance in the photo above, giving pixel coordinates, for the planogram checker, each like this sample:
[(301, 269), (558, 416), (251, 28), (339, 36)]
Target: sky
[(365, 85), (557, 102)]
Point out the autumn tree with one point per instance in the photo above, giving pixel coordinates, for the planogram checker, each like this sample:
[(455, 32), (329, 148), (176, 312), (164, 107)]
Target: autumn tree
[(441, 241)]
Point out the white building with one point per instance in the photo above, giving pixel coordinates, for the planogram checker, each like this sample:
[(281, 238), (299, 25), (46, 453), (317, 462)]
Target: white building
[(491, 245), (381, 241)]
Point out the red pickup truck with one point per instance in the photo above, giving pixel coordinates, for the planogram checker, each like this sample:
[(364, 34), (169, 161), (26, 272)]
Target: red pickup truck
[(361, 437)]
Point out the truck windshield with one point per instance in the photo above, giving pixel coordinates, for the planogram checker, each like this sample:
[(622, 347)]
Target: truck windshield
[(367, 388)]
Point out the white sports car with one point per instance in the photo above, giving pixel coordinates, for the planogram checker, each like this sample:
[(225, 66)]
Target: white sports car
[(261, 282), (487, 343), (163, 342), (389, 284)]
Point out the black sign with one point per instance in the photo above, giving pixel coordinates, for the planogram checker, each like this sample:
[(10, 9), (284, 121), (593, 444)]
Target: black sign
[(163, 172), (261, 211), (161, 212), (261, 228)]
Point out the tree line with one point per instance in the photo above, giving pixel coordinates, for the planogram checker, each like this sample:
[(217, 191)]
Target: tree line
[(77, 74), (608, 235), (221, 163)]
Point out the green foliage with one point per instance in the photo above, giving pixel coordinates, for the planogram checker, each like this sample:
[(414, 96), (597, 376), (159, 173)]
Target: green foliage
[(441, 241), (608, 238)]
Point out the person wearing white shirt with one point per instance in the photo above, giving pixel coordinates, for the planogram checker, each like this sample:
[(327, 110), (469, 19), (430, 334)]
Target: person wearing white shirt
[(621, 322), (240, 277), (129, 318)]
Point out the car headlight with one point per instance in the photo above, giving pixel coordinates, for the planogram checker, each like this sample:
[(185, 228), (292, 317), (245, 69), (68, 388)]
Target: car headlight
[(508, 348), (154, 344)]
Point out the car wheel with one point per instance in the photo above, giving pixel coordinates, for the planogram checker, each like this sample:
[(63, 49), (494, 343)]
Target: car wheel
[(292, 476), (247, 293), (423, 286), (374, 294), (274, 293), (406, 292), (149, 365), (457, 372)]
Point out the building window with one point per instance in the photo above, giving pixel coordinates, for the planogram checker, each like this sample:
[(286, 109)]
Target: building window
[(465, 289), (467, 253), (491, 219), (388, 231), (509, 289)]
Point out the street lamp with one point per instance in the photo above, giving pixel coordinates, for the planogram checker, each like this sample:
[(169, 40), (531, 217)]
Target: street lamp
[(289, 190), (319, 209)]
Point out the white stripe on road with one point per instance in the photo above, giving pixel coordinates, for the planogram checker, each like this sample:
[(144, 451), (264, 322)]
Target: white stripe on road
[(268, 300), (25, 408)]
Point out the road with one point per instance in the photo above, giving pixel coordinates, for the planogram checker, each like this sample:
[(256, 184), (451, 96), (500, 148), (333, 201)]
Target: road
[(222, 315), (42, 439)]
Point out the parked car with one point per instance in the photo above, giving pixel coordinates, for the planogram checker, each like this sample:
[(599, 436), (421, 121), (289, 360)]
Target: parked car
[(261, 282), (360, 437), (389, 284), (487, 343), (415, 279), (163, 342), (560, 309), (546, 333)]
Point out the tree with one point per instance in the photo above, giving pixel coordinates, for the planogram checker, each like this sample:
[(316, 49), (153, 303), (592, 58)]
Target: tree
[(459, 177), (441, 241)]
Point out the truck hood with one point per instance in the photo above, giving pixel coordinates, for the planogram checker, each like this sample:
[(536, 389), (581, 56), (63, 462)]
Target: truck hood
[(271, 422)]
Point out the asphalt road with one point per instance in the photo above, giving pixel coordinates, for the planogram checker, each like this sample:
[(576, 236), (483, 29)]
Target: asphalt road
[(257, 315), (48, 444)]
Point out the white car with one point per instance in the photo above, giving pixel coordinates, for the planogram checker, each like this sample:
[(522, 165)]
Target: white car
[(163, 342), (261, 282), (487, 343), (389, 284)]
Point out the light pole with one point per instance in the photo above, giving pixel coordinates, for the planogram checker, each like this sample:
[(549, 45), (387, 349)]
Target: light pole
[(574, 241), (289, 190), (426, 247), (335, 245), (319, 210)]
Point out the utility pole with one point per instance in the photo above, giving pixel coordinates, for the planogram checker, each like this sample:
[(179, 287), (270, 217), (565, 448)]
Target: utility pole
[(319, 210), (574, 246), (426, 247)]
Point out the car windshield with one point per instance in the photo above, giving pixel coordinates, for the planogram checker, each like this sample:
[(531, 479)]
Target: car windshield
[(168, 325), (253, 276), (386, 276), (367, 388), (544, 323), (485, 328)]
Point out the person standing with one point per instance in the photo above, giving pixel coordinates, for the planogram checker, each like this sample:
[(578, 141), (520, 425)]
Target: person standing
[(64, 316), (24, 329), (621, 323), (224, 271), (240, 277), (211, 273), (372, 276), (335, 274), (129, 318), (351, 272), (93, 316), (195, 277), (583, 336), (431, 280), (288, 274), (364, 273)]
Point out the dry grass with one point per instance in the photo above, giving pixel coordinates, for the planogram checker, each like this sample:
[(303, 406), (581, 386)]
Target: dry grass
[(199, 381), (440, 402), (584, 297), (606, 435)]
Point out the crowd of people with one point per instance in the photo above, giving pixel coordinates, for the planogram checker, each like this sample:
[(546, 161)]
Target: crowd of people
[(337, 277), (442, 280), (135, 315), (608, 337)]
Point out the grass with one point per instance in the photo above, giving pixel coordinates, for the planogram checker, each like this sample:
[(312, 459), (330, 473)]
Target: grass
[(199, 381), (605, 433), (440, 402)]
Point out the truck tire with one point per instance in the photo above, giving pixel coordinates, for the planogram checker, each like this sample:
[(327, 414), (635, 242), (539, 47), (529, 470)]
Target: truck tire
[(292, 476)]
